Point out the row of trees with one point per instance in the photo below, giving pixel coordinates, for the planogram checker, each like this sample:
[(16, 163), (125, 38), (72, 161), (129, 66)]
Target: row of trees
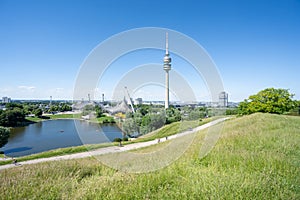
[(148, 118), (61, 107), (14, 113)]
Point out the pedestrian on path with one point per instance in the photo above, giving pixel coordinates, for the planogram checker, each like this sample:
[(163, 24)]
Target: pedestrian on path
[(15, 162)]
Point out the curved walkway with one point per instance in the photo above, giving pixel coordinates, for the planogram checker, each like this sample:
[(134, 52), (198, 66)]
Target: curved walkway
[(113, 149)]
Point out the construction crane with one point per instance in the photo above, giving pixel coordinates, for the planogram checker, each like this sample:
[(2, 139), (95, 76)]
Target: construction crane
[(130, 101)]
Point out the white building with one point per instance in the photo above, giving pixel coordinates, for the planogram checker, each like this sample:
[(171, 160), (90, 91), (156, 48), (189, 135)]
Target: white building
[(6, 100), (138, 101), (223, 99)]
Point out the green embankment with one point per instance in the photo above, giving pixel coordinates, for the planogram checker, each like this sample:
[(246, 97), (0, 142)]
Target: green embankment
[(256, 157)]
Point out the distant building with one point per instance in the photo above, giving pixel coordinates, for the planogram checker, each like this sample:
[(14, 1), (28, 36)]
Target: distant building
[(223, 99), (138, 101), (6, 100)]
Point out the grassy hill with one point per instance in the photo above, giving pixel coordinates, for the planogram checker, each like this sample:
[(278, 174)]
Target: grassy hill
[(257, 157)]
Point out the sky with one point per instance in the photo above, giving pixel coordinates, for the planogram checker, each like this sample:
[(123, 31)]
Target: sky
[(255, 44)]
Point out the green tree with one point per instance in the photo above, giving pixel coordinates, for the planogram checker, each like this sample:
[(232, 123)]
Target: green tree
[(152, 122), (88, 109), (269, 100), (172, 115), (12, 117), (65, 107), (129, 126), (53, 108), (4, 135), (99, 111), (11, 106), (38, 112)]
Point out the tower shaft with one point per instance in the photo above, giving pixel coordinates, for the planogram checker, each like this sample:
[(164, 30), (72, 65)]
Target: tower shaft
[(167, 100), (167, 68)]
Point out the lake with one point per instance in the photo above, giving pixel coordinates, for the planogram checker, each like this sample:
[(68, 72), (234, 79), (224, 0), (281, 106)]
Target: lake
[(53, 134)]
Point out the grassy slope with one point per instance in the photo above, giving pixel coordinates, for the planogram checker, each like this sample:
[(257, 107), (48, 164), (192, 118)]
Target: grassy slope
[(167, 130), (257, 157)]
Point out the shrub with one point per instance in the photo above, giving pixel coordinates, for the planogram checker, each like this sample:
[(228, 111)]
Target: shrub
[(117, 140)]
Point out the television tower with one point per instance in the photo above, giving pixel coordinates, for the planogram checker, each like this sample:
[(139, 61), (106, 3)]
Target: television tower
[(167, 68), (50, 101)]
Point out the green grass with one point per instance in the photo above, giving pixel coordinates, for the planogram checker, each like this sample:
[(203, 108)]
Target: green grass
[(34, 119), (56, 116), (175, 128), (257, 157), (59, 152), (104, 119), (163, 132), (65, 116)]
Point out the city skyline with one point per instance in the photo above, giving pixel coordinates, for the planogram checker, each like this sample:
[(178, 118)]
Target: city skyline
[(255, 44)]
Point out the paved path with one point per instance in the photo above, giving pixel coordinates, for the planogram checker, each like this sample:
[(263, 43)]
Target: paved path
[(113, 149)]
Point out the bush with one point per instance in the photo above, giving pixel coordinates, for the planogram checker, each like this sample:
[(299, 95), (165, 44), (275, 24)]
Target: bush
[(232, 111), (117, 140)]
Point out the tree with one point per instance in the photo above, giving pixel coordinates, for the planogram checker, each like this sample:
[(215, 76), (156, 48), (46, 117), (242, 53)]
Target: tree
[(118, 140), (53, 108), (88, 109), (11, 106), (269, 100), (129, 126), (4, 134), (99, 111), (65, 107), (12, 117), (38, 112), (172, 115)]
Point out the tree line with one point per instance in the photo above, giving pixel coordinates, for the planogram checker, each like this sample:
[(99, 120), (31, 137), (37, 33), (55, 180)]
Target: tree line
[(148, 118)]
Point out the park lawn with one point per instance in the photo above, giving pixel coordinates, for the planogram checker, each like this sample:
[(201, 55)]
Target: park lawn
[(103, 119), (65, 116), (56, 116), (256, 157), (34, 119)]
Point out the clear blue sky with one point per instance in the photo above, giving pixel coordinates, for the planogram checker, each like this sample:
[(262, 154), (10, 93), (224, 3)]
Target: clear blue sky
[(254, 43)]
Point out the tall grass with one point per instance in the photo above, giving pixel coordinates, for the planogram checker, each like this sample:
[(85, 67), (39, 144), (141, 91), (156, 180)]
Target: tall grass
[(257, 157)]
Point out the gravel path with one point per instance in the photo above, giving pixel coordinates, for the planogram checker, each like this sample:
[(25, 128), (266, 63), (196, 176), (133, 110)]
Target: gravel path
[(113, 149)]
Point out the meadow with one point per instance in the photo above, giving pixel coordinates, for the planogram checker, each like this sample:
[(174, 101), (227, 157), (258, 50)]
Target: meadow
[(256, 157)]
